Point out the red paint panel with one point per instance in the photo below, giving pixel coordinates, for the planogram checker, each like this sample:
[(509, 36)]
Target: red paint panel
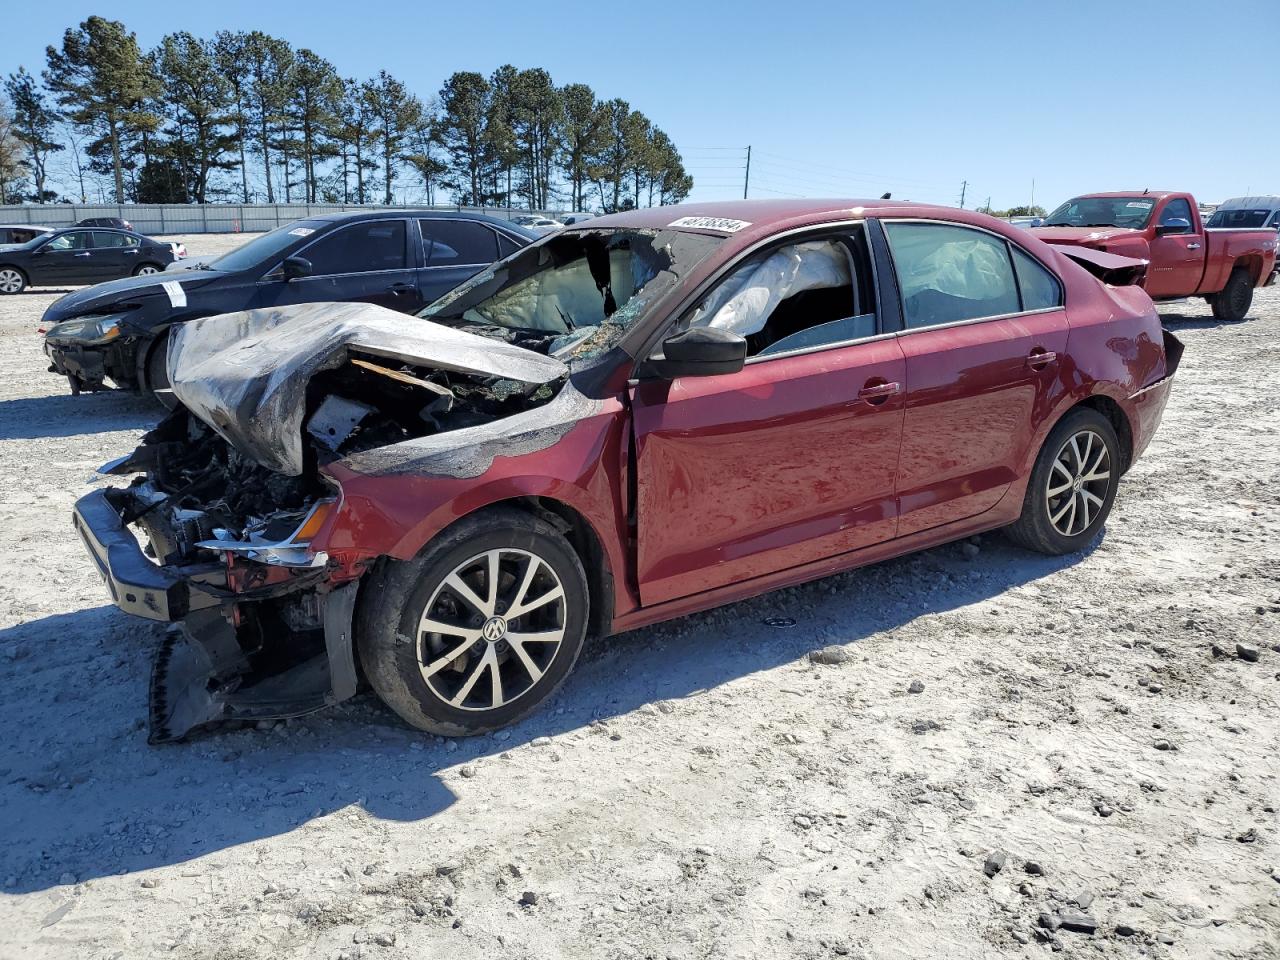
[(974, 402), (778, 465)]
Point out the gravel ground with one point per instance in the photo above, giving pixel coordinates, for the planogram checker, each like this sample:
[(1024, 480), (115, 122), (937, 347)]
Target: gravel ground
[(702, 788)]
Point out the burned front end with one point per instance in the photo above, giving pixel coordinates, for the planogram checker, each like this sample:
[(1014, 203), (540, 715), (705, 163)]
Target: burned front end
[(232, 503)]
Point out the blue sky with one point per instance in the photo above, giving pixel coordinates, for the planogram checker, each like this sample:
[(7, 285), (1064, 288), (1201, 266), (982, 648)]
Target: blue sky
[(836, 98)]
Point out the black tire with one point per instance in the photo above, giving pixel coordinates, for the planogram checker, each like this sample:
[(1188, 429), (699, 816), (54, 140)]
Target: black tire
[(397, 654), (144, 268), (1041, 525), (155, 379), (12, 281), (1236, 298)]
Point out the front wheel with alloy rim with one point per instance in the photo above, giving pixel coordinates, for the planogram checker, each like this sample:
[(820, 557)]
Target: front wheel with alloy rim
[(1072, 487), (146, 270), (479, 628), (12, 280)]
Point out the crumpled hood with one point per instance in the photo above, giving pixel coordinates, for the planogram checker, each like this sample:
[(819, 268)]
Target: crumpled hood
[(102, 296), (246, 374), (1085, 236)]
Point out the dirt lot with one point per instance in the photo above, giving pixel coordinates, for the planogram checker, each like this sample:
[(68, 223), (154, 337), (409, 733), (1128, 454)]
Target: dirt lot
[(699, 789)]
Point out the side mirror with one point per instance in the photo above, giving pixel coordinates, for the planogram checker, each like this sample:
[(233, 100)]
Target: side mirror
[(1174, 225), (295, 268), (701, 352)]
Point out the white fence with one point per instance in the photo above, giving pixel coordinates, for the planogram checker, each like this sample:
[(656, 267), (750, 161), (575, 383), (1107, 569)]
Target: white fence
[(160, 218)]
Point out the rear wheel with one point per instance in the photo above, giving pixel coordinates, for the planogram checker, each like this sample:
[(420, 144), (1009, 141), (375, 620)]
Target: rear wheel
[(480, 628), (1236, 297), (1072, 486), (146, 269), (12, 280)]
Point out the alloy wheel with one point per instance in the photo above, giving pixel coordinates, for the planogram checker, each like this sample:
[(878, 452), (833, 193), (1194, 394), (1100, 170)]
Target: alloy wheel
[(10, 281), (499, 618), (147, 271), (1078, 482)]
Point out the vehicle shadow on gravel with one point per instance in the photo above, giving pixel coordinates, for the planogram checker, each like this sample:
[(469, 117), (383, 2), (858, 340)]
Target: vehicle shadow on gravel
[(1185, 321), (86, 796), (34, 418)]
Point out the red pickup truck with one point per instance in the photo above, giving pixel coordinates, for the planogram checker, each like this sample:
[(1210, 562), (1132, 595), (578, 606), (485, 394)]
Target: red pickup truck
[(1184, 259)]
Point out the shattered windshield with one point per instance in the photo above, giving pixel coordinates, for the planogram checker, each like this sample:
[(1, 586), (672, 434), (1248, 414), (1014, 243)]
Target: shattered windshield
[(1130, 212), (579, 292)]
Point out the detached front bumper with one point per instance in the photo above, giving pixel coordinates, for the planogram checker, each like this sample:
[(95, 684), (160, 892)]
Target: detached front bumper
[(209, 668), (136, 584), (87, 366)]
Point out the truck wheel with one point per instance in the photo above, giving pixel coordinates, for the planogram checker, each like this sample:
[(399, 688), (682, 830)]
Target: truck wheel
[(1072, 486), (479, 628), (1236, 297)]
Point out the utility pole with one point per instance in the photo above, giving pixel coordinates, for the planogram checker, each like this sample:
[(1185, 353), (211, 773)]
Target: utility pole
[(1033, 191), (964, 185), (746, 180)]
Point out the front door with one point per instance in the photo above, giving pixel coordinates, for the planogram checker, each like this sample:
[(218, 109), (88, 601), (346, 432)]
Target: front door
[(985, 339), (788, 461), (1177, 257), (67, 258), (365, 262)]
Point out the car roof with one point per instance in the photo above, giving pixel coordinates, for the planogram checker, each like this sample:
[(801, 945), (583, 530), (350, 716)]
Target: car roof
[(355, 216), (1250, 203), (761, 218)]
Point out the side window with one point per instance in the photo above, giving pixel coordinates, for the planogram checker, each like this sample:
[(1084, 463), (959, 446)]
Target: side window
[(76, 240), (797, 297), (950, 273), (103, 239), (1177, 209), (358, 248), (1275, 220), (1040, 288), (506, 246), (451, 243)]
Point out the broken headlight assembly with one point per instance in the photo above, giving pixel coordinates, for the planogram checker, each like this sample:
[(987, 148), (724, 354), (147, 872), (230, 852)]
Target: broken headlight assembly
[(91, 330), (283, 540)]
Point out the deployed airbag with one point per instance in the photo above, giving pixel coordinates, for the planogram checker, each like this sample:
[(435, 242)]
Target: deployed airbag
[(246, 374), (744, 302)]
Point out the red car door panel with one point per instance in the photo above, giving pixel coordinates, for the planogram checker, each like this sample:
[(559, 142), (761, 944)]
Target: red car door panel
[(972, 390), (777, 465)]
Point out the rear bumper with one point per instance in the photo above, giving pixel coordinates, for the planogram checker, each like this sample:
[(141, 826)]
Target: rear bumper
[(1148, 403), (136, 584)]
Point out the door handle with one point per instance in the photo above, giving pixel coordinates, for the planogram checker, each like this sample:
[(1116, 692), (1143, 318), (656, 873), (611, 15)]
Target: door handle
[(1193, 246), (400, 288), (85, 254), (127, 252), (1039, 358), (877, 393)]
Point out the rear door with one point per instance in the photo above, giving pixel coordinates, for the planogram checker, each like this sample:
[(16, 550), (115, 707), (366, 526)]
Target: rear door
[(370, 261), (115, 254), (792, 459), (984, 338), (1177, 252), (453, 251)]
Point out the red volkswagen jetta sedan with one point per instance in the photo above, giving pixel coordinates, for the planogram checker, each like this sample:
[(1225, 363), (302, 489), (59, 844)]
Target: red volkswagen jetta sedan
[(633, 419)]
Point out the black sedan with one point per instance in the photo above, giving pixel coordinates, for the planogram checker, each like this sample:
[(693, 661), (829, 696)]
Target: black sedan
[(76, 255), (400, 259)]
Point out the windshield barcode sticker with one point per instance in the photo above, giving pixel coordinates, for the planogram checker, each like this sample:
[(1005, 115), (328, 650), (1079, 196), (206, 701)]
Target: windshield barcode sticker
[(711, 223), (177, 296), (301, 232)]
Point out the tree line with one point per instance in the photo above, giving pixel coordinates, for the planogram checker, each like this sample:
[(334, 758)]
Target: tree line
[(245, 117)]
